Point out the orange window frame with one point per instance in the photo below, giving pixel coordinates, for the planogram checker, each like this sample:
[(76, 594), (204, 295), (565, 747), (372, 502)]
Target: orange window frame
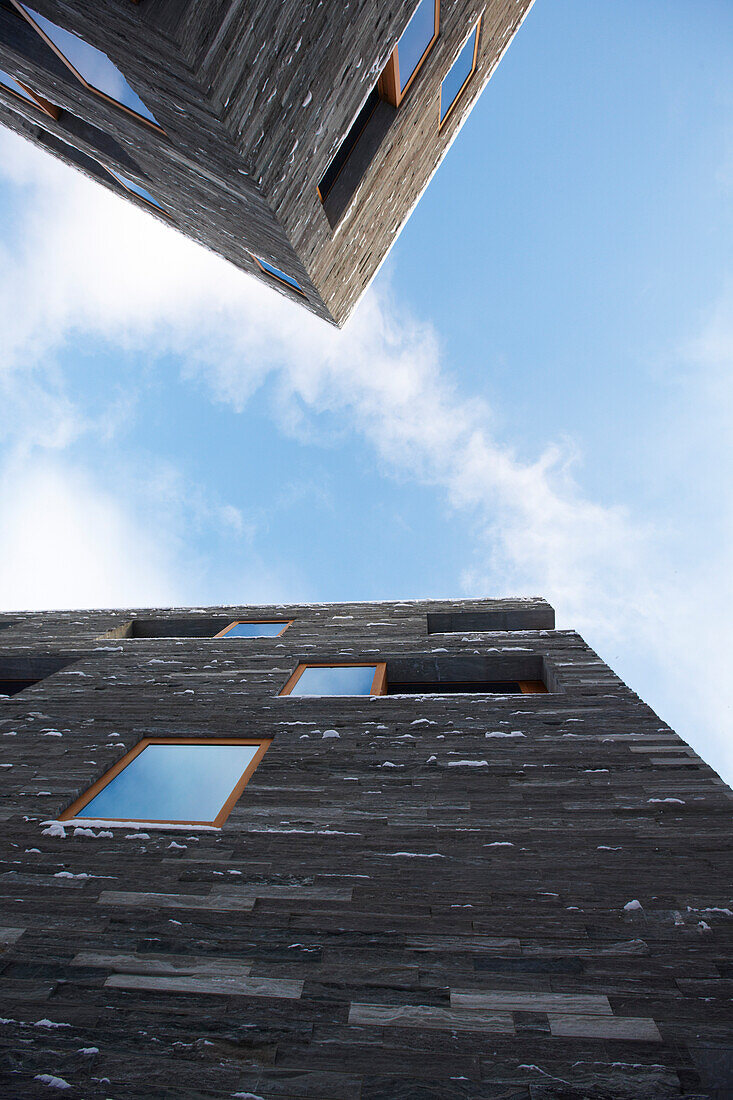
[(255, 622), (39, 101), (379, 682), (85, 84), (264, 743), (283, 282), (129, 191), (389, 82), (461, 90), (532, 687)]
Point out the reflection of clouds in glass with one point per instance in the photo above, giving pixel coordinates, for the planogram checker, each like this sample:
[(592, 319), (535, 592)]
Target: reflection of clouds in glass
[(415, 39), (272, 270), (92, 64), (457, 76), (173, 783), (12, 83), (254, 630), (335, 681)]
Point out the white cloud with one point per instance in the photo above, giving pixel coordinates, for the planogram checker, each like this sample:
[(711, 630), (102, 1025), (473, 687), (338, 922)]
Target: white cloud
[(108, 271)]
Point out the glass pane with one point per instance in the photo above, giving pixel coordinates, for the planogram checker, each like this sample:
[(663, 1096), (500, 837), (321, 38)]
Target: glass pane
[(254, 630), (457, 76), (10, 82), (135, 187), (173, 783), (335, 681), (272, 270), (415, 40), (93, 65)]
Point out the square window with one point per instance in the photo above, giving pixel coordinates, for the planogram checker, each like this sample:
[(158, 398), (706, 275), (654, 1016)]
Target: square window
[(268, 628), (276, 273), (184, 782), (89, 65), (351, 679), (459, 74)]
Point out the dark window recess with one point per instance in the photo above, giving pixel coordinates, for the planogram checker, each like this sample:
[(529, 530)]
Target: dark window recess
[(497, 674), (353, 157), (19, 673), (348, 144), (443, 687), (205, 626), (532, 617)]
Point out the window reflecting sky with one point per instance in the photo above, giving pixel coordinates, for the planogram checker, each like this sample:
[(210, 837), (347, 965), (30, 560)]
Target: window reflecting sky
[(173, 783), (254, 630), (457, 75), (335, 681), (12, 83), (135, 187), (93, 65), (415, 40), (272, 270)]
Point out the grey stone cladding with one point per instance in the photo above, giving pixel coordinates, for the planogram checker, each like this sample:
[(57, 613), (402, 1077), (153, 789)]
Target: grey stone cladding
[(515, 897), (255, 97)]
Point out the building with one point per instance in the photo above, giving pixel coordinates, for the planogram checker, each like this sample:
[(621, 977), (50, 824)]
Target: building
[(487, 871), (291, 137)]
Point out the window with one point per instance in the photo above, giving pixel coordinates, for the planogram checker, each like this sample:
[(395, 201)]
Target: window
[(470, 687), (413, 47), (184, 782), (249, 628), (347, 145), (135, 188), (89, 65), (276, 273), (459, 74), (19, 673), (23, 92), (504, 673), (534, 615), (351, 679)]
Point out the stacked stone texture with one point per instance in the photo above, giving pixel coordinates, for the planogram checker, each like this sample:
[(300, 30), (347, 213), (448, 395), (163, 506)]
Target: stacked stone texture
[(255, 98), (434, 903)]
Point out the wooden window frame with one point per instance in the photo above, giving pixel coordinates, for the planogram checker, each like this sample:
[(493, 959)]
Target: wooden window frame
[(254, 622), (533, 687), (477, 31), (283, 282), (389, 81), (379, 682), (89, 87), (83, 800), (39, 101), (129, 191)]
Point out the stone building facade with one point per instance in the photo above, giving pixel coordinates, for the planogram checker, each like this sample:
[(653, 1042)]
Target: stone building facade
[(273, 133), (497, 875)]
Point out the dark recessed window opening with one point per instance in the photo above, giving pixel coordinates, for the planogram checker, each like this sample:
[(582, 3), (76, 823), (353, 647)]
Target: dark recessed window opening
[(276, 273), (187, 781), (453, 674), (458, 75), (19, 673), (536, 616), (249, 628), (89, 65), (337, 679), (347, 145), (478, 687)]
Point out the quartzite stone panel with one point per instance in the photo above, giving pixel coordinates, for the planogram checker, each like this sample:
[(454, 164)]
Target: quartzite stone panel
[(518, 896)]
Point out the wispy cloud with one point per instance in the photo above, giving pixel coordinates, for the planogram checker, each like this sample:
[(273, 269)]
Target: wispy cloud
[(107, 272)]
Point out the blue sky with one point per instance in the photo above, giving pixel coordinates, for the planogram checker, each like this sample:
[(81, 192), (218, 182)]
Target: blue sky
[(534, 398)]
